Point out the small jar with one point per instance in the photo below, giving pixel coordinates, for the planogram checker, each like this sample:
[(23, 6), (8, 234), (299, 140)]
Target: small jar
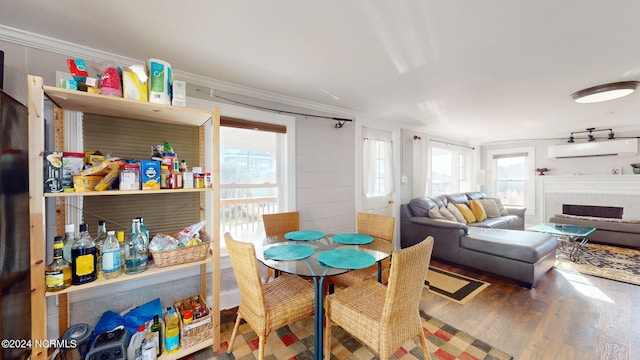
[(187, 316), (165, 177), (207, 179), (130, 177), (198, 180)]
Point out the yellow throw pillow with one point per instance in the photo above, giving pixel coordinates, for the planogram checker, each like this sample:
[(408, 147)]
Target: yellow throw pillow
[(478, 210), (467, 213)]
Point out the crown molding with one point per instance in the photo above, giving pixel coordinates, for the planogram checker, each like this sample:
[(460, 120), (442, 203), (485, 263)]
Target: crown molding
[(61, 47)]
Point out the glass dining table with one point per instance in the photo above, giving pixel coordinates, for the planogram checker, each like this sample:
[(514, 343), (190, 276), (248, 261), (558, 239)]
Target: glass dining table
[(314, 267)]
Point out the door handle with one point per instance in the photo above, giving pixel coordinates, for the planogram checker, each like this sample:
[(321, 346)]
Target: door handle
[(390, 201)]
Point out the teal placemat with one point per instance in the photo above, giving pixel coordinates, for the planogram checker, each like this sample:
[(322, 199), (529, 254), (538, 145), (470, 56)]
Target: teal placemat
[(346, 259), (353, 239), (304, 235), (289, 252)]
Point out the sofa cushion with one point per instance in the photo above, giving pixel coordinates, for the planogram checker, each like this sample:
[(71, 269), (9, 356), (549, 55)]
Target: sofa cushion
[(503, 210), (490, 207), (454, 210), (466, 212), (458, 198), (501, 222), (526, 246), (434, 213), (478, 210), (420, 206), (447, 214), (476, 195)]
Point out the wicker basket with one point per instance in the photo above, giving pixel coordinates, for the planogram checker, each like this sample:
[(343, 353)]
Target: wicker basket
[(198, 330), (183, 255)]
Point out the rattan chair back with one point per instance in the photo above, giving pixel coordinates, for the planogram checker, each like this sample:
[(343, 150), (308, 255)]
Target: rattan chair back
[(378, 226), (281, 223)]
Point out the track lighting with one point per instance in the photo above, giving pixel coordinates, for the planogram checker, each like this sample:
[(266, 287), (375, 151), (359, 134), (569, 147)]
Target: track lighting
[(590, 136)]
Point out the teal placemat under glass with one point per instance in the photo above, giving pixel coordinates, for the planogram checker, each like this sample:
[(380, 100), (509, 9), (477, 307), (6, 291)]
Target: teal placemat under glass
[(304, 235), (289, 252), (346, 259), (353, 239)]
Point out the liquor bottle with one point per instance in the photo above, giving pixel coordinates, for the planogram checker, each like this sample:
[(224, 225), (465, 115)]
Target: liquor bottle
[(101, 235), (156, 331), (120, 237), (83, 258), (145, 232), (57, 274), (110, 256), (135, 250), (69, 239)]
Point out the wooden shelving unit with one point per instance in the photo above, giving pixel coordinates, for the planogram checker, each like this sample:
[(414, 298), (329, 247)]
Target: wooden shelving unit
[(127, 109)]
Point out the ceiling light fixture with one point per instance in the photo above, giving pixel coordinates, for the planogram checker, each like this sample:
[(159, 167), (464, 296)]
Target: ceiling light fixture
[(590, 136), (604, 92)]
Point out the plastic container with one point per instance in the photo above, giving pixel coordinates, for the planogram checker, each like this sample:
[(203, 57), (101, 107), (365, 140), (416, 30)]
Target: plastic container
[(130, 177), (111, 82), (134, 350), (160, 80), (172, 330)]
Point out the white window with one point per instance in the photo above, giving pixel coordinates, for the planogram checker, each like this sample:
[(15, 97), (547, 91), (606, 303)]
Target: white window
[(513, 176), (377, 167), (448, 170)]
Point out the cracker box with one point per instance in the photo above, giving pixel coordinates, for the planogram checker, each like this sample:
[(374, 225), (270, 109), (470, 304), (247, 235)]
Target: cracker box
[(53, 172), (150, 174)]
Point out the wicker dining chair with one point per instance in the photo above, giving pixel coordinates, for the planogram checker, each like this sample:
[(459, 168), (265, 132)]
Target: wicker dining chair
[(266, 307), (279, 224), (384, 317), (378, 226)]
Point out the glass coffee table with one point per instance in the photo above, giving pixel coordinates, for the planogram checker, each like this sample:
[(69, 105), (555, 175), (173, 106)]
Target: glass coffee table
[(578, 235)]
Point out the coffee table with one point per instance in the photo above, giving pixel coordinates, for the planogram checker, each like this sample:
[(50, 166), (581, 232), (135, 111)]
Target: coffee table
[(578, 235)]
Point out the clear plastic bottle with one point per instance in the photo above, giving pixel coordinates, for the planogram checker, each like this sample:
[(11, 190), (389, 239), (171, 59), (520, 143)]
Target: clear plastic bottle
[(69, 239), (145, 232), (101, 235), (120, 237), (149, 348), (110, 256), (172, 331), (57, 274), (83, 258), (135, 250)]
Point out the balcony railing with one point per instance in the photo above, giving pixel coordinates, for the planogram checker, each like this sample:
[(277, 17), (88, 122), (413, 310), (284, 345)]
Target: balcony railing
[(245, 214)]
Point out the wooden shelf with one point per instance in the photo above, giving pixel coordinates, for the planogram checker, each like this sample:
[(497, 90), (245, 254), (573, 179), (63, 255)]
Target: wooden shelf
[(120, 107), (124, 192), (152, 270), (188, 351)]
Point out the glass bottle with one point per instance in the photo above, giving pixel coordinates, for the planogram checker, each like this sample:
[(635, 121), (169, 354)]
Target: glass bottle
[(69, 239), (57, 274), (83, 258), (145, 232), (156, 331), (101, 235), (135, 250), (176, 176), (120, 237), (110, 256)]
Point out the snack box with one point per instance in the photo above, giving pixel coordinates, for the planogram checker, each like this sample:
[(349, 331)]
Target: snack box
[(53, 172), (150, 174), (84, 183)]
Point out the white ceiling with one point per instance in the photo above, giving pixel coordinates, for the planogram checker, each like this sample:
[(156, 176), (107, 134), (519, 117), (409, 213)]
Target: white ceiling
[(476, 71)]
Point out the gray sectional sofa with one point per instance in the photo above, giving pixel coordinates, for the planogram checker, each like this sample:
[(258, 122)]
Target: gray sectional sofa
[(497, 245)]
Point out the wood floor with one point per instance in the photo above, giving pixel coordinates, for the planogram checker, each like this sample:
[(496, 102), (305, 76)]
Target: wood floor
[(567, 316)]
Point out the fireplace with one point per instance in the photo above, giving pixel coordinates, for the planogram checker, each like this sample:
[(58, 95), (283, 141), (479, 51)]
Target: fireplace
[(611, 212)]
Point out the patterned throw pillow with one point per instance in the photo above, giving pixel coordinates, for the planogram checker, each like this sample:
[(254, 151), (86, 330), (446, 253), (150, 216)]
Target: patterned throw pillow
[(434, 213), (454, 210), (501, 209), (490, 207), (467, 213), (478, 210), (447, 214)]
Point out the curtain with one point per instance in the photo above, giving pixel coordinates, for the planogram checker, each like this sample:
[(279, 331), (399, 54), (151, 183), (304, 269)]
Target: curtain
[(389, 185), (420, 166), (377, 159)]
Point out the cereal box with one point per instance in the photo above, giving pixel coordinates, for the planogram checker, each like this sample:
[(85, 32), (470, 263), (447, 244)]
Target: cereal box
[(150, 174)]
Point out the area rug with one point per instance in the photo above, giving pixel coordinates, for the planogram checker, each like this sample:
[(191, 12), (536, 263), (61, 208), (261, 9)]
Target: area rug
[(457, 288), (295, 342), (609, 262)]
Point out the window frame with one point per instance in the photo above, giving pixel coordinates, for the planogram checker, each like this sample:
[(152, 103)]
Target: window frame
[(460, 169), (530, 188)]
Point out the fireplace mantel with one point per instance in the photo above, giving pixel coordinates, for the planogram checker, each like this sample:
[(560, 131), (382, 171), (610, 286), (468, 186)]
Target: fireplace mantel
[(604, 190)]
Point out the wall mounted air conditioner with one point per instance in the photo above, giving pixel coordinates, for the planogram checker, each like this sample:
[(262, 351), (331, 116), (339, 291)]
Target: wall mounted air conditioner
[(619, 147)]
